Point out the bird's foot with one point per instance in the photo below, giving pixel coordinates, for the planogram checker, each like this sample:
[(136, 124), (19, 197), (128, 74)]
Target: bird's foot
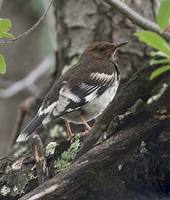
[(87, 126), (69, 138), (87, 130)]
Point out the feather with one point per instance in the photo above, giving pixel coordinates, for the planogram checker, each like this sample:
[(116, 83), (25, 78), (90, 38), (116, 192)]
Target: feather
[(102, 77), (30, 128), (45, 109)]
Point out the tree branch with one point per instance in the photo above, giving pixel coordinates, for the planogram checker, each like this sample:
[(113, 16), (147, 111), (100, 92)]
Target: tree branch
[(29, 80), (145, 126), (64, 185), (136, 18)]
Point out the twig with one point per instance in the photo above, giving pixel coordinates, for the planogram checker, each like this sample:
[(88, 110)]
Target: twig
[(38, 151), (136, 18), (30, 29), (29, 80)]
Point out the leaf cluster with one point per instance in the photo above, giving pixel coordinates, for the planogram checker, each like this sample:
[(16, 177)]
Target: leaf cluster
[(5, 26), (161, 55)]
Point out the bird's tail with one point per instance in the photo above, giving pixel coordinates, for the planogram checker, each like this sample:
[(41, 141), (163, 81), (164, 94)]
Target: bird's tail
[(30, 128)]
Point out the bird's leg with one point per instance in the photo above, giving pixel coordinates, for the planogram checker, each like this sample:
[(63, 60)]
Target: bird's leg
[(88, 128), (69, 132)]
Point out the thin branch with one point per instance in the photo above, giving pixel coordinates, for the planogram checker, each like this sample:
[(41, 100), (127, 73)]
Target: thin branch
[(29, 80), (136, 18), (22, 35)]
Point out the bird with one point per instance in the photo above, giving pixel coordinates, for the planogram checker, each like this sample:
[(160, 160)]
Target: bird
[(83, 92)]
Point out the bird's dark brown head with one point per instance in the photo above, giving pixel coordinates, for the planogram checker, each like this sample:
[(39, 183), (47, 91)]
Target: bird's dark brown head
[(102, 49)]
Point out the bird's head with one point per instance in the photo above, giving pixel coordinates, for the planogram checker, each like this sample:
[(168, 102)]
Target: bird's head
[(103, 49)]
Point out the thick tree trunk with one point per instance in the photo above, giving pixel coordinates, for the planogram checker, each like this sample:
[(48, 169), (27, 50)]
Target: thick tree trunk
[(133, 160), (82, 22), (127, 165)]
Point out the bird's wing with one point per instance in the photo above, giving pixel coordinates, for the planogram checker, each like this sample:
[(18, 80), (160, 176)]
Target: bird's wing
[(69, 94), (78, 87), (85, 90), (75, 93)]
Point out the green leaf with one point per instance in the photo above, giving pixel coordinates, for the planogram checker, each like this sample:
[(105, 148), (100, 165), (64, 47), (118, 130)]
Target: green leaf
[(156, 62), (2, 64), (6, 35), (163, 14), (157, 53), (159, 71), (5, 25), (155, 41)]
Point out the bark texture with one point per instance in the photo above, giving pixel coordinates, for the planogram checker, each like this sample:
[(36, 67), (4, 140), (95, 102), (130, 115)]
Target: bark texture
[(82, 22), (127, 165)]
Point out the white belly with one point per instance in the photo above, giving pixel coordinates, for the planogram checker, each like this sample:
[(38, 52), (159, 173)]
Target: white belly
[(94, 108)]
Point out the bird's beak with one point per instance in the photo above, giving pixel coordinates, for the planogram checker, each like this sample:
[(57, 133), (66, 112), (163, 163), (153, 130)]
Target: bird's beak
[(119, 45), (116, 47)]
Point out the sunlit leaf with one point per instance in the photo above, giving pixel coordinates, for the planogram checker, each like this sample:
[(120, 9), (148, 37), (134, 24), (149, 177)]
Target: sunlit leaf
[(160, 61), (6, 35), (5, 25), (2, 64), (159, 71), (155, 41), (157, 53), (163, 14)]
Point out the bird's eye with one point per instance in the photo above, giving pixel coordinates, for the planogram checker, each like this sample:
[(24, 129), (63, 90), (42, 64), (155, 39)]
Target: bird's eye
[(101, 49)]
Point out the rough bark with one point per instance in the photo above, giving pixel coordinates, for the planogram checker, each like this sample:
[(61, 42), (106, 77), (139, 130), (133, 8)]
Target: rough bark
[(128, 163), (81, 22), (125, 165), (121, 153)]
